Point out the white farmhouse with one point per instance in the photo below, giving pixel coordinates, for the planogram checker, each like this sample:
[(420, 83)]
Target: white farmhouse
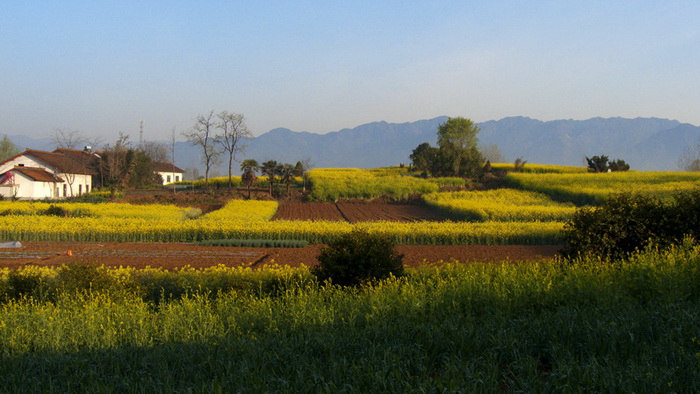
[(35, 174), (168, 171)]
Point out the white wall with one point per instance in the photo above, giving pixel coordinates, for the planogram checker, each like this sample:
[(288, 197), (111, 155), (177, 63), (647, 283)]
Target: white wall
[(174, 177)]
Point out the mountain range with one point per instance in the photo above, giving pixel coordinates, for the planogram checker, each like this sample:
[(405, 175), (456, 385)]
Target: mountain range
[(645, 143)]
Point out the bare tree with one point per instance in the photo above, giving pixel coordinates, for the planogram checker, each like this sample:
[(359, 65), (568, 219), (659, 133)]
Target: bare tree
[(232, 129), (172, 151), (492, 153), (156, 151), (202, 134), (115, 164), (67, 138), (690, 159)]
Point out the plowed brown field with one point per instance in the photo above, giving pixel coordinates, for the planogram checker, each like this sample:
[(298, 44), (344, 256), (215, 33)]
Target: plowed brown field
[(174, 255), (357, 212)]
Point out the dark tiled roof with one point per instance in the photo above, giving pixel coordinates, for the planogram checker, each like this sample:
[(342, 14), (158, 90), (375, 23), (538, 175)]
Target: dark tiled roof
[(159, 166), (62, 162), (37, 174)]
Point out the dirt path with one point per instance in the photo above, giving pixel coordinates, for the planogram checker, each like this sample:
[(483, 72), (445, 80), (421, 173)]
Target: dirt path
[(174, 255)]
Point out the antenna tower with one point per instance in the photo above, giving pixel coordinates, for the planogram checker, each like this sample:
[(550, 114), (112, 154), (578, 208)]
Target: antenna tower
[(141, 134)]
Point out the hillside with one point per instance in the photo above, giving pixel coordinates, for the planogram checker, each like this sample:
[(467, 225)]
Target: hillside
[(645, 143)]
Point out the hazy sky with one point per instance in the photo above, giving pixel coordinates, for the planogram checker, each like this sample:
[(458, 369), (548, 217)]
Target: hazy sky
[(101, 67)]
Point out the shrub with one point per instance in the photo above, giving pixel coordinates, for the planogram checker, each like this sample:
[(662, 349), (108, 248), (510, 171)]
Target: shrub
[(626, 223), (85, 277), (55, 210), (357, 258)]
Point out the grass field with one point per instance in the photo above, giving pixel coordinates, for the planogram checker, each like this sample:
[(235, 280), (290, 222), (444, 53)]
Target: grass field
[(534, 327)]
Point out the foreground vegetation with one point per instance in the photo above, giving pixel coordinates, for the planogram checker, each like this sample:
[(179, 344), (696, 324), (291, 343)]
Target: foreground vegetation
[(632, 326)]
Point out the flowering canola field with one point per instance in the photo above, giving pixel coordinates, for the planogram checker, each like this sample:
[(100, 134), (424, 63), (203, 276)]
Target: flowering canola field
[(242, 219), (593, 189)]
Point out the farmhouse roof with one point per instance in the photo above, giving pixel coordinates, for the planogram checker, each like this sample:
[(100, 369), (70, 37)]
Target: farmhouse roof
[(161, 166), (63, 162), (37, 174), (83, 157)]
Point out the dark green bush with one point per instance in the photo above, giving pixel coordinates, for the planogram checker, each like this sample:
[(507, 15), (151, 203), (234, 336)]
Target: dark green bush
[(626, 223), (54, 210), (357, 258), (85, 277), (24, 284)]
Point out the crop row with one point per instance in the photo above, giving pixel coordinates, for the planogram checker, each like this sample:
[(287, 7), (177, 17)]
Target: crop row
[(503, 205), (334, 184)]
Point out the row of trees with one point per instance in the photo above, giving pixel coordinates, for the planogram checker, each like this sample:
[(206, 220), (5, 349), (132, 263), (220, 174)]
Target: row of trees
[(602, 164), (274, 171)]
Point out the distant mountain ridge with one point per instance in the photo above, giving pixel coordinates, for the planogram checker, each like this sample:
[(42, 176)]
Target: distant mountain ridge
[(645, 143)]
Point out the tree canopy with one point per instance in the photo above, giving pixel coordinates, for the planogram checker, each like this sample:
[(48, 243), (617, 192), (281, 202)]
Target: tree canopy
[(457, 153), (7, 148)]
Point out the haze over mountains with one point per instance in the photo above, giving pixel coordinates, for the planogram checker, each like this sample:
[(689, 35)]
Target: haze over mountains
[(645, 143)]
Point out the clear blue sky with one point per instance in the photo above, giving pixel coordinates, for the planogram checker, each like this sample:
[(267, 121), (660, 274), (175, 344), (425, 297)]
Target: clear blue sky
[(103, 66)]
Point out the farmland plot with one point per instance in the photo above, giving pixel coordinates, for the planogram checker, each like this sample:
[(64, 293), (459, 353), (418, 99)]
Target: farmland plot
[(358, 212)]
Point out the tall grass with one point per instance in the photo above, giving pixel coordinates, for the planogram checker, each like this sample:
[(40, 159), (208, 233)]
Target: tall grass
[(534, 327)]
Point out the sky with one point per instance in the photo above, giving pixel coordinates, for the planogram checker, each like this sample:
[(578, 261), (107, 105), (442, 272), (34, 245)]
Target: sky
[(103, 67)]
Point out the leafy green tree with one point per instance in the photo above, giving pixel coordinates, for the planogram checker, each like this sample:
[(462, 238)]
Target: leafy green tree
[(424, 157), (269, 169), (7, 148), (602, 164), (458, 145), (141, 170), (249, 168), (286, 172), (597, 163), (300, 170), (618, 165)]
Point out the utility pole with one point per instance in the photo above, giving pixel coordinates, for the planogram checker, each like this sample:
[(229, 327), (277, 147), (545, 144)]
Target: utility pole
[(173, 156)]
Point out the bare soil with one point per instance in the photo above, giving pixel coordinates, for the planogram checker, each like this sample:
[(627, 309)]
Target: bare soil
[(355, 212), (176, 255)]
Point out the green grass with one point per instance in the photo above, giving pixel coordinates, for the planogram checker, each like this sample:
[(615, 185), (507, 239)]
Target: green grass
[(535, 327)]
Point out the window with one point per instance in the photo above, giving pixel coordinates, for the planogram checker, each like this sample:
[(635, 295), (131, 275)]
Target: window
[(168, 181), (80, 190), (87, 189), (177, 178), (65, 190)]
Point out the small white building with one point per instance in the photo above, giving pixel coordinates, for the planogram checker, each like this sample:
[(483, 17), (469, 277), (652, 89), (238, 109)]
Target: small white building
[(35, 174), (168, 171)]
